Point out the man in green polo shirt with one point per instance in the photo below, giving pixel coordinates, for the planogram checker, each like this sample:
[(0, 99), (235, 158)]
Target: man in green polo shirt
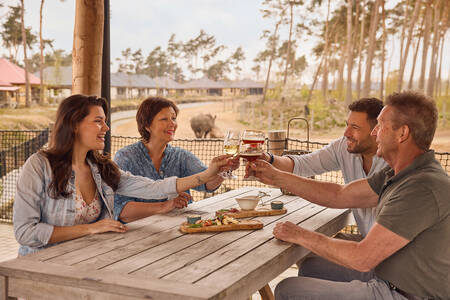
[(406, 254)]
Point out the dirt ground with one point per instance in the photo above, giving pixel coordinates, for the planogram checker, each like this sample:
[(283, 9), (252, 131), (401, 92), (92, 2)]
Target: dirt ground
[(227, 117)]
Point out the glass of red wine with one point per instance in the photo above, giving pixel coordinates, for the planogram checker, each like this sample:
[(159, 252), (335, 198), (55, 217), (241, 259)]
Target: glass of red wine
[(252, 146)]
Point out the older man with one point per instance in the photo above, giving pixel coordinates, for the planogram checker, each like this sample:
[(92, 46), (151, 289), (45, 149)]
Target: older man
[(353, 154), (408, 246)]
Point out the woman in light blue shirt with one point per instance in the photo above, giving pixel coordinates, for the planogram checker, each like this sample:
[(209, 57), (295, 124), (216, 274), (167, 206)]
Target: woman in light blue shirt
[(67, 191), (154, 158)]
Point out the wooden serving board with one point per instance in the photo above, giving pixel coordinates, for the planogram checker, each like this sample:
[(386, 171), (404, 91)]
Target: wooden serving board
[(259, 212), (244, 225)]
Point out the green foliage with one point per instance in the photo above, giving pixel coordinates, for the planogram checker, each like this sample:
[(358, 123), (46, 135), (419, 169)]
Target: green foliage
[(218, 71), (326, 114), (391, 82), (12, 32)]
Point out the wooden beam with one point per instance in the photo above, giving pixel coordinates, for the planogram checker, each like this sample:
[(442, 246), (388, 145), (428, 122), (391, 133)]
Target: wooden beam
[(87, 47)]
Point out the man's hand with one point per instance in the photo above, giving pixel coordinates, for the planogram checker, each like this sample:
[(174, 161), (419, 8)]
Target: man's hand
[(263, 156), (265, 172), (287, 231)]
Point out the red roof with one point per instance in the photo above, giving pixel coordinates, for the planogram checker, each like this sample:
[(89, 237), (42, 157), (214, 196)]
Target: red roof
[(10, 73), (4, 83)]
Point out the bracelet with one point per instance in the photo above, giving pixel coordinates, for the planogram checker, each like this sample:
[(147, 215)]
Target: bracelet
[(271, 158)]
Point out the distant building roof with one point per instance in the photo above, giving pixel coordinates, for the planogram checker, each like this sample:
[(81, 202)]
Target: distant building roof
[(167, 83), (14, 74), (245, 84), (204, 83), (132, 80), (57, 76)]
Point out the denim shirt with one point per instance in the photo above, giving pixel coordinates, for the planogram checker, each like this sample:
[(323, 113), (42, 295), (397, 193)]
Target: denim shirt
[(335, 157), (176, 162), (35, 212)]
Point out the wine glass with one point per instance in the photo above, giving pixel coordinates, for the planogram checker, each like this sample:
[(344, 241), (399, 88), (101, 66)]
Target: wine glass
[(231, 144), (252, 147)]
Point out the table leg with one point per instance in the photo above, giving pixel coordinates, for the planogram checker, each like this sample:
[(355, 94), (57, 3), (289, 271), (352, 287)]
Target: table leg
[(4, 289), (266, 293)]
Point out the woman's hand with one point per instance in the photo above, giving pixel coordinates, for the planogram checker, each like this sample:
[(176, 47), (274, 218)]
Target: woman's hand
[(180, 201), (106, 225), (219, 164), (234, 162)]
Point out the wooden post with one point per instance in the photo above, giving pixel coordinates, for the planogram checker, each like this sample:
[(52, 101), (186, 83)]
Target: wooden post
[(266, 293), (269, 119), (87, 47), (277, 141), (51, 126), (4, 289)]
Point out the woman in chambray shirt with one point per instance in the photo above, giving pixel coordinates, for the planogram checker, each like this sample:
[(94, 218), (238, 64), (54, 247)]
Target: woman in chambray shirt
[(154, 158), (67, 191)]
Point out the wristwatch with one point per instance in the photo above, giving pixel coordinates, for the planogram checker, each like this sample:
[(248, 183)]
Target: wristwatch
[(271, 158)]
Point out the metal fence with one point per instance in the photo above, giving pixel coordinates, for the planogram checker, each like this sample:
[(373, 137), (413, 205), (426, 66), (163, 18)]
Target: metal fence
[(16, 146)]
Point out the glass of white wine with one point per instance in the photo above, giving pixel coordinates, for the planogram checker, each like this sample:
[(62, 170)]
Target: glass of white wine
[(231, 144)]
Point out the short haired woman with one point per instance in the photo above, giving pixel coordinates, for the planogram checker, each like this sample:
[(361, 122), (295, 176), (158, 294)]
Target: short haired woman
[(155, 158)]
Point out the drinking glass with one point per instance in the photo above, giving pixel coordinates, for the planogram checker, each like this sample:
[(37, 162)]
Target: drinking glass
[(231, 144), (252, 146)]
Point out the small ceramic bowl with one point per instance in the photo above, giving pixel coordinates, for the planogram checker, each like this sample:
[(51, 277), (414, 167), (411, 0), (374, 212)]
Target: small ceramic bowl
[(193, 218), (248, 202), (276, 204)]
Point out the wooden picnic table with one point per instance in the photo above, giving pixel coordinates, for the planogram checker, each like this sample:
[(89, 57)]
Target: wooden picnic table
[(154, 260)]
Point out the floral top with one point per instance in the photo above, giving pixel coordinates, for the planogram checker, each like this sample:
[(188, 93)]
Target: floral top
[(87, 213)]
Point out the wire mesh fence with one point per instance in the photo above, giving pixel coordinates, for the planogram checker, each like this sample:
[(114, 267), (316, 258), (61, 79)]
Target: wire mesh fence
[(16, 146)]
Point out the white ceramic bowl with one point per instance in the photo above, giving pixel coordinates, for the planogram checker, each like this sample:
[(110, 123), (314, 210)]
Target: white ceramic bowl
[(248, 202)]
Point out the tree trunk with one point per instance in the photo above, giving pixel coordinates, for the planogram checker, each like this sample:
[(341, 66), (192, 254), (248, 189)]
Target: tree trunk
[(25, 60), (402, 37), (416, 51), (438, 85), (444, 104), (426, 45), (325, 57), (371, 49), (348, 98), (361, 42), (274, 46), (340, 83), (435, 49), (291, 4), (408, 44), (444, 27), (41, 65), (383, 50), (88, 47), (316, 76)]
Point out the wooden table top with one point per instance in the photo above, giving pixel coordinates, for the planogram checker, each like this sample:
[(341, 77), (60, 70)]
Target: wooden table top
[(155, 260)]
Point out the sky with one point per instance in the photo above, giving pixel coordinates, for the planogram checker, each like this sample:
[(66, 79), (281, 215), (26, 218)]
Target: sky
[(146, 24)]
